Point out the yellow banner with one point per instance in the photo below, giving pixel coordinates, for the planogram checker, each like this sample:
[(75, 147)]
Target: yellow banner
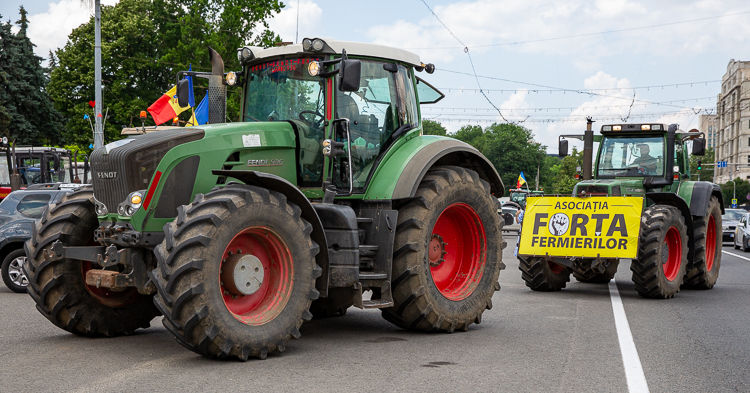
[(605, 227)]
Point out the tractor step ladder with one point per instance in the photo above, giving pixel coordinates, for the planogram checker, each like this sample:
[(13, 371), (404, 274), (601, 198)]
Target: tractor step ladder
[(376, 232)]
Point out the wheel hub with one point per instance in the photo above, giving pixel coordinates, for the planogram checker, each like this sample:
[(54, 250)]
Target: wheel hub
[(436, 250), (242, 274), (15, 272)]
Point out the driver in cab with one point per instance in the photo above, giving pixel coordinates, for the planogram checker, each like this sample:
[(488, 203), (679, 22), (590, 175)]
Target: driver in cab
[(645, 160)]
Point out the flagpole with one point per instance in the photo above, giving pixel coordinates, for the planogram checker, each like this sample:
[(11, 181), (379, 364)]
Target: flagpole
[(98, 134)]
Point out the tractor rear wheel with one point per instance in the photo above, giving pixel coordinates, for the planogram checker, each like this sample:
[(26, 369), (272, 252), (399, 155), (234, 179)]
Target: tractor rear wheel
[(589, 275), (236, 273), (58, 286), (662, 253), (447, 253), (542, 275), (707, 236)]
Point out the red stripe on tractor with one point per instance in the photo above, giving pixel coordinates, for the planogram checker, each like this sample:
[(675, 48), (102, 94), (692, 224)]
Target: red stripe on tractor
[(329, 99), (151, 190)]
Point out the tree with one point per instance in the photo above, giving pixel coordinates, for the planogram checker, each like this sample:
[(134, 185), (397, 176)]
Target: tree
[(432, 127), (564, 173), (511, 149), (738, 187), (707, 161), (144, 44), (26, 112)]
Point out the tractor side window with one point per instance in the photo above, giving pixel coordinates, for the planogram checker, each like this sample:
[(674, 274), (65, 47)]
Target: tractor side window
[(384, 103), (427, 93), (33, 205)]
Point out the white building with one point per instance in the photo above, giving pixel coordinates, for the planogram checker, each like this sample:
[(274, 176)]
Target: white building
[(733, 132)]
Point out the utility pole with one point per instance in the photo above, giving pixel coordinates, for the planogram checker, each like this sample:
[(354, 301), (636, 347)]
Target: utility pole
[(98, 132)]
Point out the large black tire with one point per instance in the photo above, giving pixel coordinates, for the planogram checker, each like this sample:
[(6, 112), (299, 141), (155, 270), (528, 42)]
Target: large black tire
[(335, 305), (419, 302), (703, 270), (200, 307), (588, 275), (541, 275), (58, 286), (660, 267), (12, 272)]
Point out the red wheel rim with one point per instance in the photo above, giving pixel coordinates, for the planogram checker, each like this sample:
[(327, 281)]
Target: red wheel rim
[(457, 251), (107, 296), (710, 243), (269, 300), (555, 268), (673, 259)]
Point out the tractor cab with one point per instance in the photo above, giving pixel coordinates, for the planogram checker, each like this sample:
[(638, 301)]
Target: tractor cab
[(633, 159), (519, 196)]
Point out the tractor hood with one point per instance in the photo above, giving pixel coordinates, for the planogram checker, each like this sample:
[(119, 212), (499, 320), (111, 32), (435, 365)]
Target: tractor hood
[(610, 187), (128, 165)]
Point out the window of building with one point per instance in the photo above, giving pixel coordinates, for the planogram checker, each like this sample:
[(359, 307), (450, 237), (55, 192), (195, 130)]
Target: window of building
[(748, 159)]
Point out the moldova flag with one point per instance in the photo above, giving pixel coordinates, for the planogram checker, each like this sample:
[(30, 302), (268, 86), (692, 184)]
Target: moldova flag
[(521, 180), (166, 107)]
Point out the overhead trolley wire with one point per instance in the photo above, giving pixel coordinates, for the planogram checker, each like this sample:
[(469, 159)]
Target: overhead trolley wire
[(471, 62)]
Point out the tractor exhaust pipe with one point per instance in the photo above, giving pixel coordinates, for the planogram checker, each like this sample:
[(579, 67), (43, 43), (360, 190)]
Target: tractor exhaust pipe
[(217, 90), (588, 149)]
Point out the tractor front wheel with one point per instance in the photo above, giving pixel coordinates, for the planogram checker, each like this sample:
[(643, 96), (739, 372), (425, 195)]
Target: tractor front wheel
[(447, 253), (236, 273), (660, 267), (542, 275), (58, 286), (707, 234), (588, 275)]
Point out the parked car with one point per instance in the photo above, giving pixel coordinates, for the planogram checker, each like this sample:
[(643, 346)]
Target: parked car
[(742, 233), (729, 221), (18, 212), (508, 212)]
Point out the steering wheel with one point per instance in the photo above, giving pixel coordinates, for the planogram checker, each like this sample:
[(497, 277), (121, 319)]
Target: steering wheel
[(312, 122)]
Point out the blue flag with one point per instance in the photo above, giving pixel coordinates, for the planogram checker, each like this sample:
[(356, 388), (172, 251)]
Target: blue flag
[(201, 112), (191, 97)]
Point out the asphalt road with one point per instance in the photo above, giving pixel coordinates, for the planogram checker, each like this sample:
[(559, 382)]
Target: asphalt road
[(530, 341)]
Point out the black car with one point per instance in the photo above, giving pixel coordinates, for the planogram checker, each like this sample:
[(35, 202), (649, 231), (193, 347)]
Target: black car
[(18, 211)]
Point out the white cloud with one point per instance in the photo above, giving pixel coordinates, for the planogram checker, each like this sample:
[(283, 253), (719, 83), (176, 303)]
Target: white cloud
[(49, 30), (482, 22), (285, 22)]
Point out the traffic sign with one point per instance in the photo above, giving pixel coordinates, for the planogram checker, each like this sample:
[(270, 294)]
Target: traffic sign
[(734, 203), (721, 164)]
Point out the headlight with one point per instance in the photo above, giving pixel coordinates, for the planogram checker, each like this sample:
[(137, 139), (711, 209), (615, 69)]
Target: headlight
[(131, 204), (231, 78), (313, 68), (244, 55)]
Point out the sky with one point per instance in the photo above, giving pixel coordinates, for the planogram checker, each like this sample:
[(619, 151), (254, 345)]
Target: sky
[(546, 65)]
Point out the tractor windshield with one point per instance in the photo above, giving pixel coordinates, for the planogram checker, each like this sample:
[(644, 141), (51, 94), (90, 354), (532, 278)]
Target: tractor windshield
[(631, 156), (284, 90)]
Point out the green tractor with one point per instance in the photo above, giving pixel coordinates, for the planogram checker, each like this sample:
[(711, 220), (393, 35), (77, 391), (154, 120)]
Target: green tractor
[(325, 195), (679, 243), (519, 195)]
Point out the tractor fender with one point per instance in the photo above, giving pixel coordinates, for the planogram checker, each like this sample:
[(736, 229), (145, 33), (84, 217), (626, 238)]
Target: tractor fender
[(671, 199), (702, 193), (445, 152), (294, 195)]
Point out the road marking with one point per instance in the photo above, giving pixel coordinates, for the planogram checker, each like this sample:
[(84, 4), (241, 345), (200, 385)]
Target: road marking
[(633, 370), (735, 255)]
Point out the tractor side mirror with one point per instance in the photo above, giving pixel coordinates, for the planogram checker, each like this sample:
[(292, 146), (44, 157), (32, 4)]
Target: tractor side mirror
[(349, 75), (699, 147), (562, 148), (183, 92)]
